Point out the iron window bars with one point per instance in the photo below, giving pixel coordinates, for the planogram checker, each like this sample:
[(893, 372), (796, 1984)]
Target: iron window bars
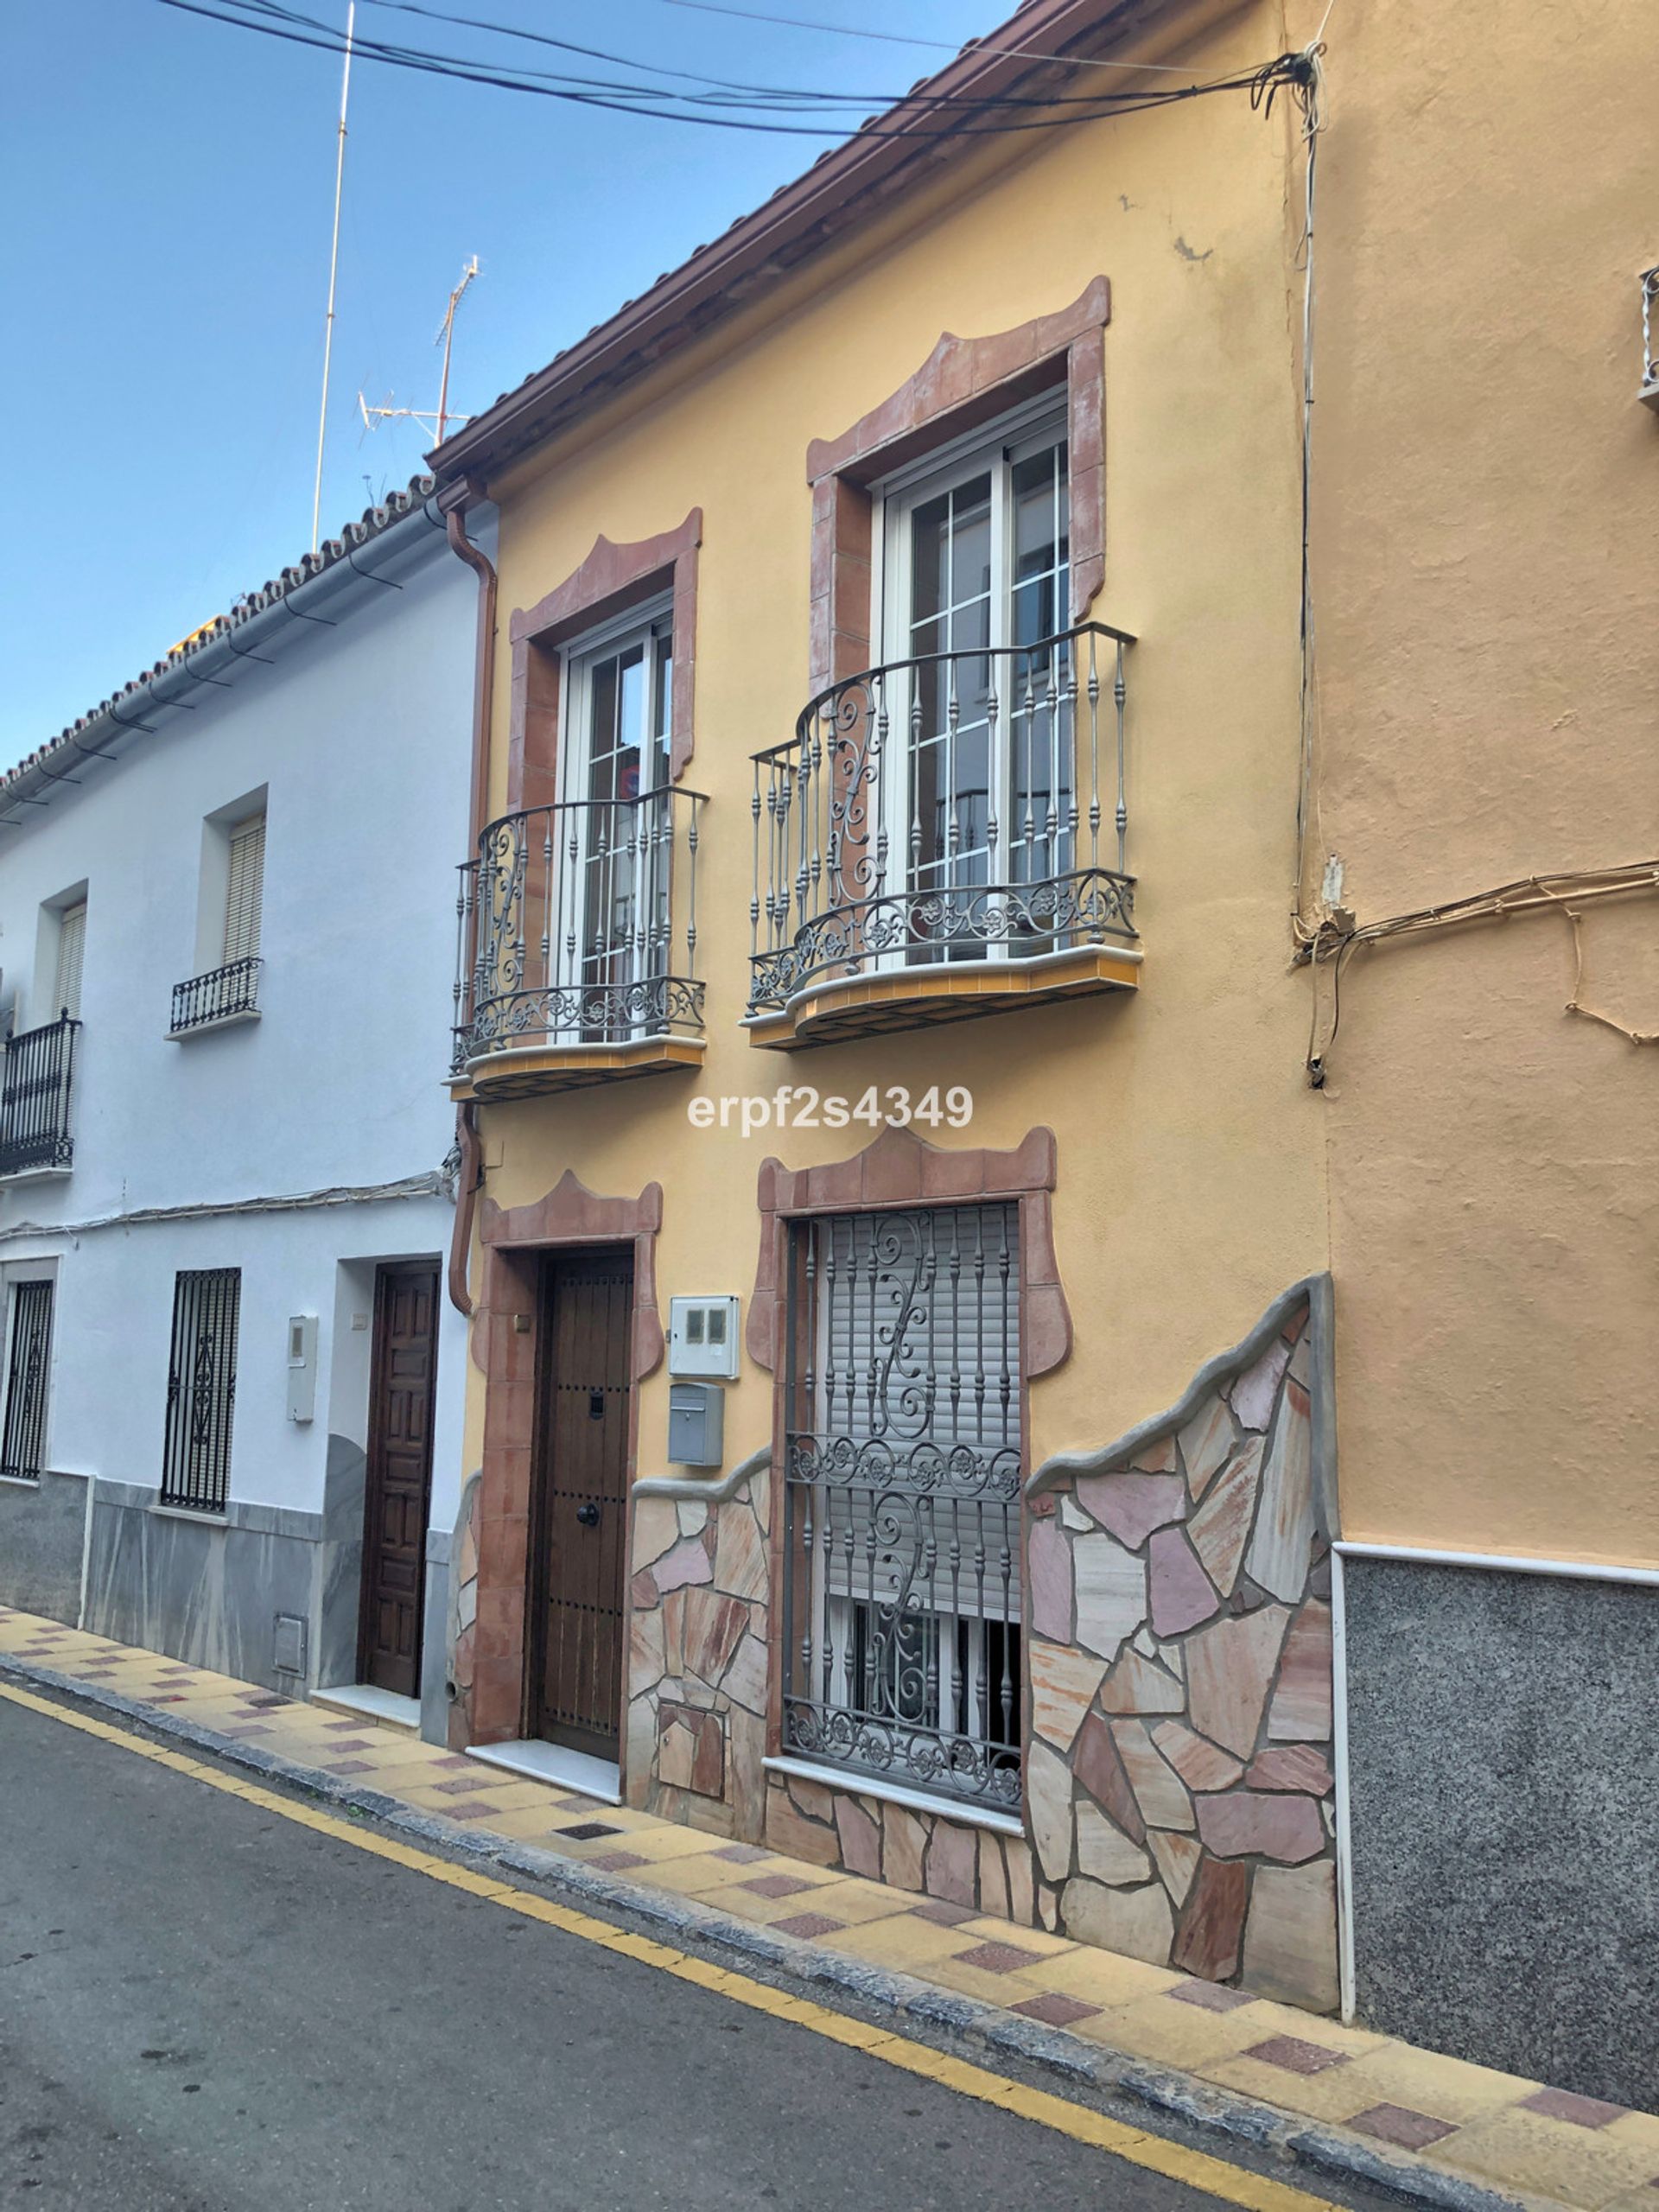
[(902, 1630), (947, 807), (217, 996), (34, 1098), (582, 922), (22, 1438), (201, 1389), (1650, 280)]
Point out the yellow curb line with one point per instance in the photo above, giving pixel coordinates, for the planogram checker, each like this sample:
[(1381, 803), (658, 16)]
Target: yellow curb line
[(1197, 2168)]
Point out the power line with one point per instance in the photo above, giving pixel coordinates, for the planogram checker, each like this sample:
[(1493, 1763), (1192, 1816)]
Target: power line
[(902, 38), (270, 20)]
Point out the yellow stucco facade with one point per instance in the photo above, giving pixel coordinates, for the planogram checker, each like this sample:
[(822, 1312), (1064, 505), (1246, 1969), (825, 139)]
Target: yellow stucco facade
[(1184, 1130), (1322, 1288)]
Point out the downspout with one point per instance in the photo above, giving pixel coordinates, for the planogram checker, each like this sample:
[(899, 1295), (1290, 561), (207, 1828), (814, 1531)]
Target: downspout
[(467, 1138)]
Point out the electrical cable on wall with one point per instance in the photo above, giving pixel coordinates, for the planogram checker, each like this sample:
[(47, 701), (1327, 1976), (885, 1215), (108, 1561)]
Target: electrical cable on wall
[(1334, 945), (435, 1183)]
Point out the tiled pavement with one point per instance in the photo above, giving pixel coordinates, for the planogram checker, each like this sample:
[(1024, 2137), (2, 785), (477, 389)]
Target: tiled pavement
[(1494, 2130)]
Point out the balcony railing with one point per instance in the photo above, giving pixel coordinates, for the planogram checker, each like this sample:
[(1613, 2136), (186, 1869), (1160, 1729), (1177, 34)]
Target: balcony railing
[(958, 807), (223, 995), (578, 930), (35, 1098)]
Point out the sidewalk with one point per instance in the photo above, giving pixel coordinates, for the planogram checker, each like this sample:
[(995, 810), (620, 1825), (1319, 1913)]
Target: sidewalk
[(1435, 2126)]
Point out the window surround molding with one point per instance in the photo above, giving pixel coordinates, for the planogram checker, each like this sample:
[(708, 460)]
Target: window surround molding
[(964, 384), (900, 1169), (612, 581)]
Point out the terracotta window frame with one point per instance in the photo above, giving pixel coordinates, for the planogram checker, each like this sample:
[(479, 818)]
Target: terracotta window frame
[(964, 384), (614, 579), (514, 1239), (900, 1170)]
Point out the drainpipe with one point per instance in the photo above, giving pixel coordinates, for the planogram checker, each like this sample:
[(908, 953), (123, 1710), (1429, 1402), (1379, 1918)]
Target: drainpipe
[(467, 1138)]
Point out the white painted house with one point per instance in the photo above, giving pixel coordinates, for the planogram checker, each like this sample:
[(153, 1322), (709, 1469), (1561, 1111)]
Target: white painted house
[(230, 1385)]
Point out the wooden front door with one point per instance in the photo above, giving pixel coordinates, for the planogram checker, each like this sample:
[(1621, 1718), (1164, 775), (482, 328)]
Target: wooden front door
[(403, 1377), (579, 1538)]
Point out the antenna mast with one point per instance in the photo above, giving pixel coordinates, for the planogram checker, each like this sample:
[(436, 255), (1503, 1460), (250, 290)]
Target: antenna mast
[(333, 271), (437, 420)]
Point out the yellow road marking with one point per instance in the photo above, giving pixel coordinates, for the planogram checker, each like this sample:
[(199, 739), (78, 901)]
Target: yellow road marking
[(1197, 2168)]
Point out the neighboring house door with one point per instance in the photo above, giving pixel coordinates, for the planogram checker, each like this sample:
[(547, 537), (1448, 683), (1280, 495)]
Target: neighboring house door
[(580, 1534), (404, 1373)]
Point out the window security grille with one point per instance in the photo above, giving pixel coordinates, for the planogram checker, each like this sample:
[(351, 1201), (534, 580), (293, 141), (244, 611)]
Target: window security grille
[(201, 1389), (244, 892), (23, 1441), (72, 948), (901, 1632)]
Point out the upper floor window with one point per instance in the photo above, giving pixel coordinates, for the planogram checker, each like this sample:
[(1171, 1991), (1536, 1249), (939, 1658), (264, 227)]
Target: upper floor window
[(245, 889), (71, 950)]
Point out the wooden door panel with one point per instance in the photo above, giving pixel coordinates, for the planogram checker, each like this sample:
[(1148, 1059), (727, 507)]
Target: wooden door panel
[(576, 1686), (396, 1503)]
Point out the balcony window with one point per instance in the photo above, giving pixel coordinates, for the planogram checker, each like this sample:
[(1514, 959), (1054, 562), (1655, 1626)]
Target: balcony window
[(579, 919), (945, 809), (34, 1099), (229, 991)]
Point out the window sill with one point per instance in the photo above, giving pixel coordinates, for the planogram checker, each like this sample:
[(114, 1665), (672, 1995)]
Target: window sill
[(20, 1482), (206, 1028), (189, 1513), (34, 1175), (895, 1793)]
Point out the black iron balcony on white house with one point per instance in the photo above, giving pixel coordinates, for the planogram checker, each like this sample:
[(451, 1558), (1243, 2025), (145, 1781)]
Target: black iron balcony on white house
[(222, 997), (576, 962), (35, 1100), (945, 836)]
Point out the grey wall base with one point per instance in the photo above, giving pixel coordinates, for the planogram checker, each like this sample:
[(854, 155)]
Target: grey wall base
[(340, 1598), (1503, 1753), (211, 1595), (42, 1535)]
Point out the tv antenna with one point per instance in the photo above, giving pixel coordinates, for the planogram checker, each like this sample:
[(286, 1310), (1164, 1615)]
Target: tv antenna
[(438, 419)]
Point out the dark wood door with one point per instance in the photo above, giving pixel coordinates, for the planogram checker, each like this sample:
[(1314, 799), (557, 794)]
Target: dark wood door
[(580, 1555), (403, 1377)]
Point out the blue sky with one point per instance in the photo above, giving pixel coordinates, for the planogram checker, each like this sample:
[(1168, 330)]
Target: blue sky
[(168, 185)]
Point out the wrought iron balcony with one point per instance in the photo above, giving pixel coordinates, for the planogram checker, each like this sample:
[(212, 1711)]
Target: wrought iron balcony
[(227, 994), (578, 937), (35, 1098), (945, 836)]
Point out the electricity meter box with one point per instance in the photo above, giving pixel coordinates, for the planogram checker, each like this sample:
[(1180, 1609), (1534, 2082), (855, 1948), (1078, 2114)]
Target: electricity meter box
[(702, 1336), (696, 1424)]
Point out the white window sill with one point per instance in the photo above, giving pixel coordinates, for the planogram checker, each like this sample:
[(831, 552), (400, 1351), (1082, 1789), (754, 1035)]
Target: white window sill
[(189, 1513), (207, 1028), (34, 1175), (895, 1793), (20, 1482)]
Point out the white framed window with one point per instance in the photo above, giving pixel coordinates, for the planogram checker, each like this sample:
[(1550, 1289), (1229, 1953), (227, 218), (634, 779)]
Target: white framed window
[(973, 596), (612, 890), (244, 890)]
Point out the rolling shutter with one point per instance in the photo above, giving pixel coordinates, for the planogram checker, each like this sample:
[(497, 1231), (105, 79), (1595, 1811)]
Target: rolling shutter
[(71, 945), (245, 890)]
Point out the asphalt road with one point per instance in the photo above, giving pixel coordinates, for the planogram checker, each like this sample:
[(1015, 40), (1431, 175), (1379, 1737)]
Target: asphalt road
[(206, 2008)]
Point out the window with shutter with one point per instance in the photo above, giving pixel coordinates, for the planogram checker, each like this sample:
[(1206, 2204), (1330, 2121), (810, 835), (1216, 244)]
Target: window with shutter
[(71, 945), (245, 890), (902, 1637)]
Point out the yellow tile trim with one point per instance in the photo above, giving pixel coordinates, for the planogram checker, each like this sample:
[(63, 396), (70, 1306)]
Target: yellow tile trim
[(1198, 2170)]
